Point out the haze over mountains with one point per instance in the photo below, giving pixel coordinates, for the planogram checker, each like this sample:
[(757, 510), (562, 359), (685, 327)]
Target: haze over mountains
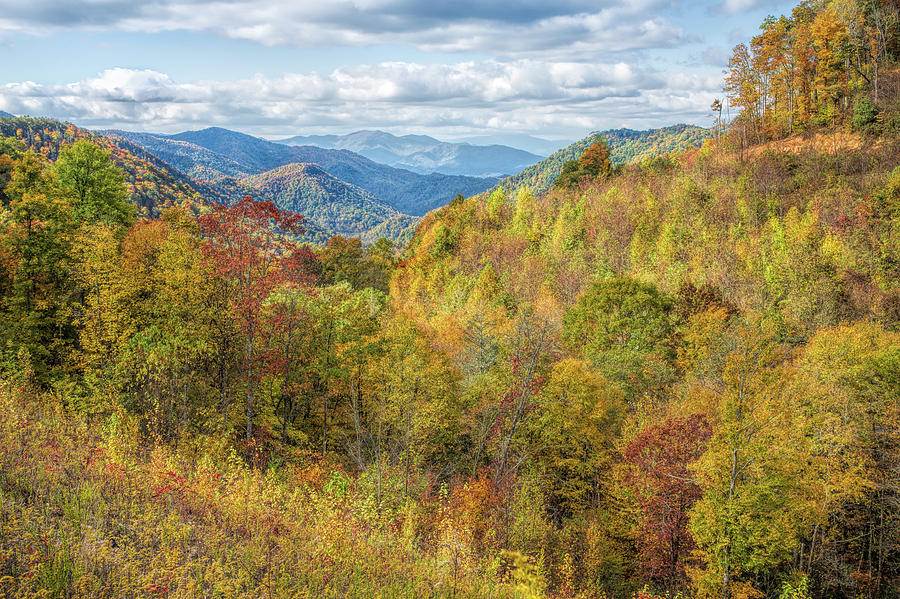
[(213, 153), (424, 154), (522, 141)]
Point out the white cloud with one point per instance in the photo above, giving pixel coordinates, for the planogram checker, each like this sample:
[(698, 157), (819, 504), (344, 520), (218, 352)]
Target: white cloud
[(502, 27), (466, 97), (733, 7)]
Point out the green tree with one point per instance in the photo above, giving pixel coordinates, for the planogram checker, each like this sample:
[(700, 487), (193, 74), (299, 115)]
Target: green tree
[(34, 313), (85, 173), (754, 501), (621, 326), (572, 436)]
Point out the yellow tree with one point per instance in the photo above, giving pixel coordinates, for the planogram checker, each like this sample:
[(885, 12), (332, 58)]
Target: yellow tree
[(753, 502), (846, 395), (830, 37), (571, 433), (101, 315), (742, 86)]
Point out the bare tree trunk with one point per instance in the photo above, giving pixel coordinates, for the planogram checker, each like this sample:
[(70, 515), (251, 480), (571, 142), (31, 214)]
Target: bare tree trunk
[(325, 392), (408, 435), (535, 353), (251, 391)]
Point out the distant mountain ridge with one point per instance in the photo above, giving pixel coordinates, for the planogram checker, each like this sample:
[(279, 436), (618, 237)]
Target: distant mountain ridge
[(6, 115), (423, 154), (215, 152), (625, 145)]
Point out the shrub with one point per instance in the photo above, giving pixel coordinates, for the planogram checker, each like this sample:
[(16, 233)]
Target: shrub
[(865, 114)]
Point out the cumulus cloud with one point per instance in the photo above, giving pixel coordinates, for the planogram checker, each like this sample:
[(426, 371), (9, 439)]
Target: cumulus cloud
[(521, 95), (501, 27)]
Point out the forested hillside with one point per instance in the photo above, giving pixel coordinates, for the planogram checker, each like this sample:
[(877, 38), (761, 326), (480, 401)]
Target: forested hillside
[(152, 183), (191, 159), (625, 145), (678, 377), (337, 206)]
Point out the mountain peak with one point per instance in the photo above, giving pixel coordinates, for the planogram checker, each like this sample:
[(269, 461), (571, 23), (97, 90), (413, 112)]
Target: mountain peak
[(424, 154)]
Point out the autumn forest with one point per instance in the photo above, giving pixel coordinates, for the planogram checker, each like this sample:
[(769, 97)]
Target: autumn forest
[(632, 371)]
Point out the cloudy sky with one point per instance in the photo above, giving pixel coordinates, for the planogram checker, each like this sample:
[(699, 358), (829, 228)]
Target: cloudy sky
[(552, 68)]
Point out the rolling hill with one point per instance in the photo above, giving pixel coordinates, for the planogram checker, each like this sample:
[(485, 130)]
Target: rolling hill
[(424, 154), (334, 205), (626, 146), (154, 184), (214, 152)]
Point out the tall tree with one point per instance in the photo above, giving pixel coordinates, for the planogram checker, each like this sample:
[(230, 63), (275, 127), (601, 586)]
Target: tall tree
[(754, 502), (36, 327), (85, 173), (247, 243), (657, 461)]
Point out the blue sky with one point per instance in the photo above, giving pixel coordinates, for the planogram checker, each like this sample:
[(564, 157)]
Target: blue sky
[(556, 69)]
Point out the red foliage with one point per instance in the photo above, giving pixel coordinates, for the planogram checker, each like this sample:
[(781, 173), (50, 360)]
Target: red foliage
[(248, 245), (660, 479)]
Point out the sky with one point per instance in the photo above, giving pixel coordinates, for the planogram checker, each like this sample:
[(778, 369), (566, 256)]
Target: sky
[(556, 69)]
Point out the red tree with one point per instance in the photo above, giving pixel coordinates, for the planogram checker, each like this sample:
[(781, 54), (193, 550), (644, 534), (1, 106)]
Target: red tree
[(247, 244), (659, 477)]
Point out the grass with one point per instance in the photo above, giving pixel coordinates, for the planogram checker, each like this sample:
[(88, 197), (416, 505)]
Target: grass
[(88, 509)]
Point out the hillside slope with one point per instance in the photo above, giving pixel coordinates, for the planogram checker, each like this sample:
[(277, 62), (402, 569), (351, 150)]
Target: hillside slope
[(332, 204), (154, 183), (626, 146), (706, 217), (193, 160)]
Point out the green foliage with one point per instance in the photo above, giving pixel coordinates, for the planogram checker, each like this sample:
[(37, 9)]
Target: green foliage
[(864, 114), (789, 591), (621, 326), (84, 172), (346, 260)]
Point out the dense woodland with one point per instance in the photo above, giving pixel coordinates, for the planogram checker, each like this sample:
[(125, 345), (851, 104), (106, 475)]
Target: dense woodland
[(823, 64), (679, 377), (625, 146)]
